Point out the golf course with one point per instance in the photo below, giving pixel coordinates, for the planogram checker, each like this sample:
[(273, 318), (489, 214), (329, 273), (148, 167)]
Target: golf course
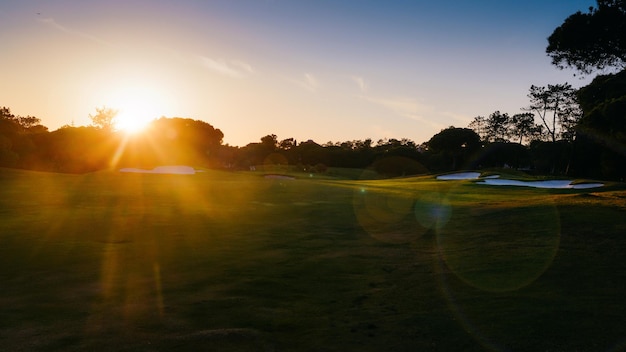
[(339, 261)]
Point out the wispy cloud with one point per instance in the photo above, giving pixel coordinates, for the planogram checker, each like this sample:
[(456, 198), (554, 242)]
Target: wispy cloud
[(308, 81), (243, 66), (56, 25), (233, 68), (409, 108), (360, 81)]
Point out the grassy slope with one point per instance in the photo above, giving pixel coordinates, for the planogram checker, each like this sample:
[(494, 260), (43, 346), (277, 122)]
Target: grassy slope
[(230, 261)]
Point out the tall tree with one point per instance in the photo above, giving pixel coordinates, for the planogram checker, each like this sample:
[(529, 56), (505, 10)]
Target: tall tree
[(455, 144), (603, 127), (522, 126), (9, 131), (270, 142), (28, 121), (287, 144), (497, 126), (5, 113), (16, 142), (479, 125), (104, 118), (500, 127), (556, 106), (591, 41)]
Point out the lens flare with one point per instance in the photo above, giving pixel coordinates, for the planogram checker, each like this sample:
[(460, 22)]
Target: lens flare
[(432, 210), (487, 249), (383, 215), (500, 249)]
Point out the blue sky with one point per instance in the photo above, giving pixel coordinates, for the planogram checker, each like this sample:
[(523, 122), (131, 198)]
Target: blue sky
[(322, 70)]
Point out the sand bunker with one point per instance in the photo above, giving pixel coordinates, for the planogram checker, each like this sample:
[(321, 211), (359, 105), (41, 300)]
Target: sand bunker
[(540, 184), (495, 180), (177, 170), (460, 176)]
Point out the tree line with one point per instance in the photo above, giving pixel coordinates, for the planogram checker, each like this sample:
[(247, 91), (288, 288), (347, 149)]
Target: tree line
[(580, 133)]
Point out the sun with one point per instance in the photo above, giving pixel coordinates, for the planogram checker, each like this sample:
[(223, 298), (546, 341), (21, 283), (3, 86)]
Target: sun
[(132, 120), (136, 107)]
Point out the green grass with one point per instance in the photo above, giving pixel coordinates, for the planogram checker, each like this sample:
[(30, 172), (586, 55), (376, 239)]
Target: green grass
[(224, 261)]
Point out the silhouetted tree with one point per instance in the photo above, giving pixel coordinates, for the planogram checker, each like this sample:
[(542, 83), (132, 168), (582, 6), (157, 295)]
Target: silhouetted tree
[(590, 41), (227, 156), (551, 157), (270, 142), (479, 125), (522, 126), (504, 154), (287, 144), (455, 144), (9, 131), (16, 144), (311, 153), (104, 118), (602, 129), (497, 127), (74, 150), (557, 108), (250, 155), (184, 140), (397, 157), (28, 122)]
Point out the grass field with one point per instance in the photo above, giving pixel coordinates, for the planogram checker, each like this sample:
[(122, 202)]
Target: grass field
[(222, 261)]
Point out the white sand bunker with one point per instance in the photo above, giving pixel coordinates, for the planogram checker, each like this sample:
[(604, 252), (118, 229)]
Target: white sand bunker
[(540, 184), (177, 170), (495, 180), (460, 176)]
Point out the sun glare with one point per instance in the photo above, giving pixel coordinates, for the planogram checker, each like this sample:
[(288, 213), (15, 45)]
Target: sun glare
[(130, 121), (137, 107)]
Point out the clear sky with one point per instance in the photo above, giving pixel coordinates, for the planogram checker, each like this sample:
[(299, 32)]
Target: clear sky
[(327, 70)]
